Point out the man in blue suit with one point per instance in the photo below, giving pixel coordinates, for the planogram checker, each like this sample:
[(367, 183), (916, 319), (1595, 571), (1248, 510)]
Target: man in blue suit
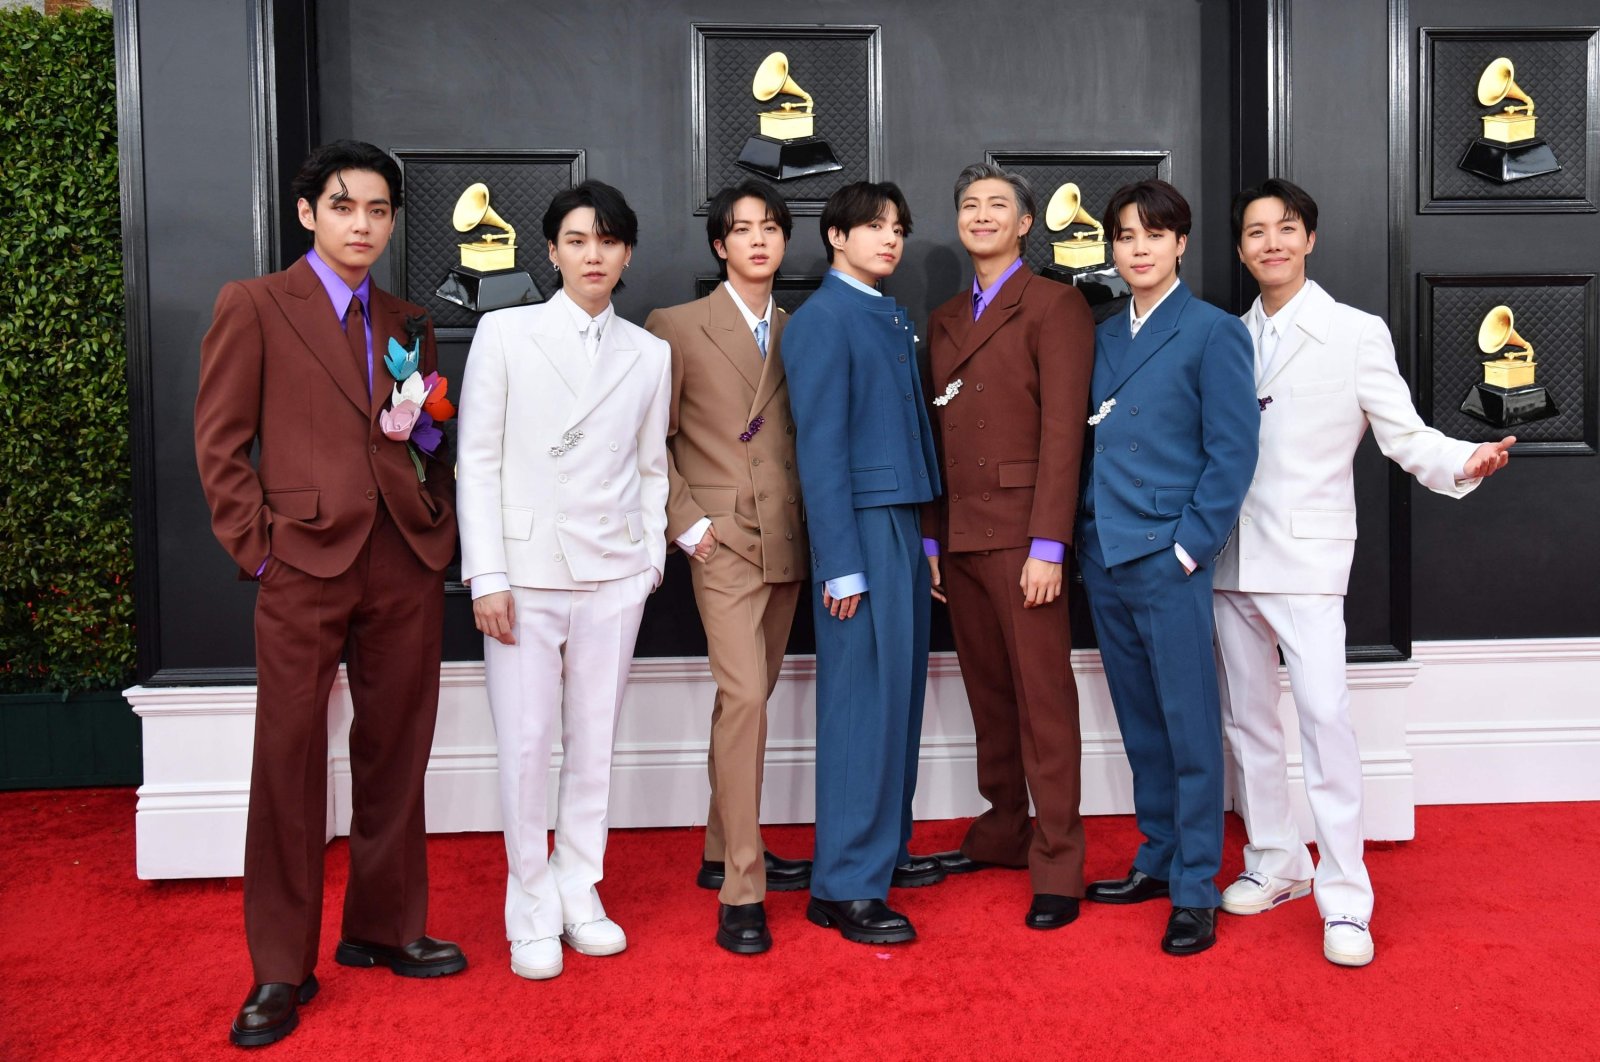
[(867, 462), (1173, 448)]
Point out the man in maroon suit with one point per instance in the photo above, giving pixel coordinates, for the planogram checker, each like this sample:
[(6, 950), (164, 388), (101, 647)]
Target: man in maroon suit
[(348, 530), (1010, 362)]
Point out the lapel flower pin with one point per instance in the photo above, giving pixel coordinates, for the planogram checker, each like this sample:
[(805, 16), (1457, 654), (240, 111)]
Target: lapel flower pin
[(750, 432), (1105, 411), (568, 441), (951, 390), (417, 404)]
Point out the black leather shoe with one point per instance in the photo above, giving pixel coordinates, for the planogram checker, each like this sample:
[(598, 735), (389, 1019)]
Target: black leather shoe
[(268, 1013), (917, 872), (783, 875), (423, 957), (1050, 911), (863, 921), (1137, 887), (957, 862), (1190, 930), (742, 928)]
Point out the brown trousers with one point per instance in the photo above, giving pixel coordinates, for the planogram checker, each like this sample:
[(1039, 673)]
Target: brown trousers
[(1016, 665), (747, 627), (386, 612)]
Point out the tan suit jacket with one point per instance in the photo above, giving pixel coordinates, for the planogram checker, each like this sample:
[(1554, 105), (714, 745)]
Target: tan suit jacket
[(720, 384)]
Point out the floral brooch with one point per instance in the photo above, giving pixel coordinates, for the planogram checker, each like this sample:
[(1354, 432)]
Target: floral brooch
[(1105, 411), (951, 390)]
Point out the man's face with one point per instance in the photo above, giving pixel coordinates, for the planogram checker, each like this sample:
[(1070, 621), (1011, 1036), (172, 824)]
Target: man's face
[(590, 262), (754, 245), (988, 221), (352, 223), (1146, 258), (870, 251), (1273, 244)]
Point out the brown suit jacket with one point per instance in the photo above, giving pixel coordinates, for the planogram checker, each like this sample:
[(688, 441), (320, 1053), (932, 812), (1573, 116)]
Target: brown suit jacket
[(720, 384), (276, 369), (1010, 440)]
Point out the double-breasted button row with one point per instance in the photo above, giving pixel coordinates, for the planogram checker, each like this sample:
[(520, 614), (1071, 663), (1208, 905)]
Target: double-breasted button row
[(371, 494)]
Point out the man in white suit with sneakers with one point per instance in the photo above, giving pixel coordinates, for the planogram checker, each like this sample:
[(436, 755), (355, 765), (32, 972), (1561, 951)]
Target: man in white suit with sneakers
[(1324, 372), (562, 498)]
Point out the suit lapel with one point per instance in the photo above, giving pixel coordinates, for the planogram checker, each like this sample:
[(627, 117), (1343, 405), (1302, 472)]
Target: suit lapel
[(1007, 301), (957, 325), (725, 327), (1153, 335), (305, 306), (612, 363), (1310, 325), (559, 342), (772, 368)]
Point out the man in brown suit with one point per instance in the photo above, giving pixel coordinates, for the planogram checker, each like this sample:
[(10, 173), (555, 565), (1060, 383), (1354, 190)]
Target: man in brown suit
[(1010, 363), (348, 539), (734, 506)]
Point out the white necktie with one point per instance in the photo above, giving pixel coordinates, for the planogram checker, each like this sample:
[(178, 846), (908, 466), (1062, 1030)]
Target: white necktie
[(761, 336), (1269, 350), (591, 341)]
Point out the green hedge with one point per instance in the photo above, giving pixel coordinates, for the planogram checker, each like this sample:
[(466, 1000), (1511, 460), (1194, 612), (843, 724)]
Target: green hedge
[(66, 556)]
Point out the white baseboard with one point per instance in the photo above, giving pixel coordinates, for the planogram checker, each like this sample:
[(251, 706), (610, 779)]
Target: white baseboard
[(1453, 725)]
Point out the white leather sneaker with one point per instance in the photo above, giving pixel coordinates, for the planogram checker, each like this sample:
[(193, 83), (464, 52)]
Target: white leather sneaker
[(1255, 892), (603, 937), (537, 960), (1346, 941)]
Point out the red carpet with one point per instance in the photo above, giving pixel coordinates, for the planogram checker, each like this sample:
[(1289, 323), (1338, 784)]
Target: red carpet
[(1486, 929)]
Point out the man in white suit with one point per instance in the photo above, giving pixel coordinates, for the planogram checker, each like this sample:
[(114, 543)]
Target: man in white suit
[(1324, 371), (562, 494)]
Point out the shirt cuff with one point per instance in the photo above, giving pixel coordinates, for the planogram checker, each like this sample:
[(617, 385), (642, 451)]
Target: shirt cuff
[(1048, 549), (930, 547), (1183, 558), (489, 583), (691, 538), (847, 585)]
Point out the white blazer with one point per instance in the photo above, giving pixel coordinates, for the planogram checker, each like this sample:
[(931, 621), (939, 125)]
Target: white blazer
[(1335, 375), (599, 510)]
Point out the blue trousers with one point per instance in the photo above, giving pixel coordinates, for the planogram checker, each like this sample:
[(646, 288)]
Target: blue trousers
[(1154, 625), (872, 675)]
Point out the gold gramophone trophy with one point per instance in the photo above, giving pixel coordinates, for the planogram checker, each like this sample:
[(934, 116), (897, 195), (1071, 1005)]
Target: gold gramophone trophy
[(488, 277), (1080, 257), (786, 146), (1507, 396), (1509, 150)]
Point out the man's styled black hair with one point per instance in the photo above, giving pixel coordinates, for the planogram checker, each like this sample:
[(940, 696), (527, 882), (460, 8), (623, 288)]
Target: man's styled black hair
[(331, 159), (858, 203), (612, 214), (1297, 200), (719, 218), (1161, 206)]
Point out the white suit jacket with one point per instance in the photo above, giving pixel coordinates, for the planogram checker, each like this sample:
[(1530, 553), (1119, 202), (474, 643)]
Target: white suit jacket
[(599, 510), (1334, 375)]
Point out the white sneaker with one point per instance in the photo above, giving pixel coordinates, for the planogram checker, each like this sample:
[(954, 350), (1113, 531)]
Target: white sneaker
[(1255, 892), (537, 960), (1346, 941), (604, 937)]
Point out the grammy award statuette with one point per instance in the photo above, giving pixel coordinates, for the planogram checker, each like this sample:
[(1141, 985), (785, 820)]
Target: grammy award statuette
[(487, 277), (1507, 396), (1509, 149), (786, 146), (1080, 257)]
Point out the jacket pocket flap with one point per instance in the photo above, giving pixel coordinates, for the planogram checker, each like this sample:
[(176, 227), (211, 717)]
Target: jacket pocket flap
[(1312, 388), (516, 523), (1018, 473), (1171, 501), (879, 477), (297, 504), (1323, 523), (636, 526), (716, 501)]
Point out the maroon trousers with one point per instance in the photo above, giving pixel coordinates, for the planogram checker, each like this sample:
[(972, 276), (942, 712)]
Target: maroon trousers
[(385, 612), (1016, 665)]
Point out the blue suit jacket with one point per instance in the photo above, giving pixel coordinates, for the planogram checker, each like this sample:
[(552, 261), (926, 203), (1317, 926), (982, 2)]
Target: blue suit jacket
[(1172, 460), (862, 434)]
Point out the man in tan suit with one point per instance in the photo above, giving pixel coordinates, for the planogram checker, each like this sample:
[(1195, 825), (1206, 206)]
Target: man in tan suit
[(1010, 362), (349, 540), (734, 507)]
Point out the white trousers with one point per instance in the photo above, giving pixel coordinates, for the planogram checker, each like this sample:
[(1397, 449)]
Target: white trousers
[(1310, 629), (569, 666)]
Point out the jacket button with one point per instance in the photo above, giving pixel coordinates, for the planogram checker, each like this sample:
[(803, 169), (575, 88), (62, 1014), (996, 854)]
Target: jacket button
[(908, 396), (605, 483), (371, 494), (989, 533), (955, 497), (789, 430), (1138, 483), (902, 357), (1099, 448), (1245, 521), (605, 519), (915, 436), (980, 423), (951, 425), (981, 462), (985, 495), (561, 478), (752, 549), (791, 499), (786, 569), (923, 472), (559, 557), (1151, 535), (1133, 446), (787, 465), (613, 447), (761, 497), (606, 554), (1134, 411), (561, 518), (790, 536), (755, 460), (952, 462), (980, 387), (374, 447)]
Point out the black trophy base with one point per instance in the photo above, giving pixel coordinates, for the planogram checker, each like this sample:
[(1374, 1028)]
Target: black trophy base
[(1101, 286), (1504, 163), (1506, 407), (481, 292), (784, 160)]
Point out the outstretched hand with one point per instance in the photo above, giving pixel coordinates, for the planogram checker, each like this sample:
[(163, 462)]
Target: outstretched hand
[(1489, 458)]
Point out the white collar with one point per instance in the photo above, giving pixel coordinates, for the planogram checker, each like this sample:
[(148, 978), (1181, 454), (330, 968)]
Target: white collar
[(1135, 322), (1281, 321), (744, 311), (580, 317)]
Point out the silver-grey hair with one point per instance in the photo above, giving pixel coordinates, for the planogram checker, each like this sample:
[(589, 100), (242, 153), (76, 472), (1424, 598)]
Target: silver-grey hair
[(1021, 190)]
